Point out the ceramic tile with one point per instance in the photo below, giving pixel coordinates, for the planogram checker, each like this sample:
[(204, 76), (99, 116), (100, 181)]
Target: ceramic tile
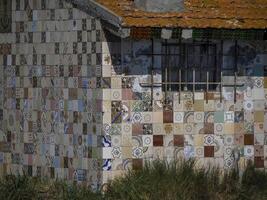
[(199, 117), (102, 120), (178, 117)]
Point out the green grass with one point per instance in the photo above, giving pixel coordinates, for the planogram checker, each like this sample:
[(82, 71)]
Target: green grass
[(183, 181), (32, 188), (158, 180)]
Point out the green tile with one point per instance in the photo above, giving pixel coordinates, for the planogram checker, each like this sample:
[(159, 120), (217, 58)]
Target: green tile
[(219, 117)]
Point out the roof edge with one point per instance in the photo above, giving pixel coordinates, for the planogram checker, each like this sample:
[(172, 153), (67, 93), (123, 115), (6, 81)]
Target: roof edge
[(92, 7)]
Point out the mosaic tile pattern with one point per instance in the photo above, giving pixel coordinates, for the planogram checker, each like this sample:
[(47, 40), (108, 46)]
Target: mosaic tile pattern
[(72, 106), (51, 73), (226, 133)]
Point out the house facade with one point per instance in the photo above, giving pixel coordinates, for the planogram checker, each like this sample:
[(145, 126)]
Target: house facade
[(90, 89)]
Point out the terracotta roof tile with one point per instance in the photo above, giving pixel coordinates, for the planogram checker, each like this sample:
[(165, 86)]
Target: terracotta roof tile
[(230, 14)]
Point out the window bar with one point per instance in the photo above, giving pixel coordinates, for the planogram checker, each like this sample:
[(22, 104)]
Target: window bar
[(207, 71), (235, 70), (194, 79), (207, 87), (180, 85), (180, 66), (193, 62), (221, 60), (166, 70), (169, 66), (191, 83), (216, 72), (152, 72), (186, 65), (208, 53), (235, 88), (221, 85)]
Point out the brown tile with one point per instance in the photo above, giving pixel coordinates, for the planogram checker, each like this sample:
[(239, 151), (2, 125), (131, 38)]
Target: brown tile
[(158, 140), (249, 139), (239, 128), (209, 151), (26, 93), (75, 117), (259, 162), (239, 139), (137, 164), (178, 140), (208, 128), (5, 147), (137, 129), (34, 82), (30, 126), (73, 93), (66, 162), (209, 96), (127, 94), (167, 117), (258, 151), (10, 93)]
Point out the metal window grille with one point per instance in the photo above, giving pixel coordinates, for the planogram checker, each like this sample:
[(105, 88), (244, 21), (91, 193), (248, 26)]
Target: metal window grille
[(204, 77)]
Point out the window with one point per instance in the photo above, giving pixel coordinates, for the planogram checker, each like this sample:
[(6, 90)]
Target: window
[(239, 57), (195, 62)]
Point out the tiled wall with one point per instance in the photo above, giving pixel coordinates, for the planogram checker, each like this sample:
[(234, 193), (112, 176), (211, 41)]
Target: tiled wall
[(49, 77), (72, 106), (223, 133)]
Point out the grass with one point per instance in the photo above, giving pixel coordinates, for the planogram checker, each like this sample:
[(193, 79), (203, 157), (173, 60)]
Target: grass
[(182, 180), (158, 180), (32, 188)]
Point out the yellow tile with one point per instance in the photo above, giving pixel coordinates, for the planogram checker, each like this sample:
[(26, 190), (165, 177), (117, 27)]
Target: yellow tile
[(229, 128), (199, 105), (178, 129), (157, 117), (168, 128), (198, 140), (239, 128), (258, 116), (126, 152)]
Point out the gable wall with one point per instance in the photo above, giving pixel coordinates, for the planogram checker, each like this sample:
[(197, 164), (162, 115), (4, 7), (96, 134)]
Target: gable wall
[(50, 107)]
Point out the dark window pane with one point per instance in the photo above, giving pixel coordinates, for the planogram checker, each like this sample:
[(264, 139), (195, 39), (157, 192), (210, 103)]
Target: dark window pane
[(199, 58)]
